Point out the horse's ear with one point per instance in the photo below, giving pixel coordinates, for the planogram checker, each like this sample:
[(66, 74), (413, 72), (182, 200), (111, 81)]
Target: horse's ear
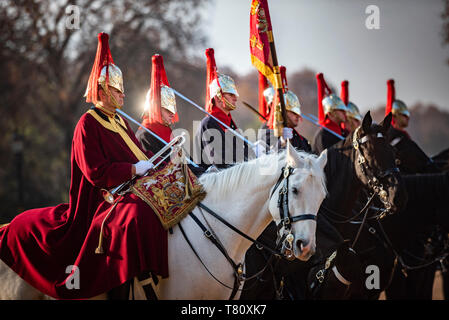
[(322, 159), (386, 123), (367, 121), (293, 159)]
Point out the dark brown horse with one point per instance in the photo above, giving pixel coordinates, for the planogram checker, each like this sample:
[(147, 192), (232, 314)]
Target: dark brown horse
[(364, 160)]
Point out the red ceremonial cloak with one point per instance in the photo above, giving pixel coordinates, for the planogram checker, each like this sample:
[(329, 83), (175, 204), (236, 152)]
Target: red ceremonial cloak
[(41, 245)]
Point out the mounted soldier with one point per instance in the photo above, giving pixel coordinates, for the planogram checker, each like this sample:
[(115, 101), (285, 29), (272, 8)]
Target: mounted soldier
[(160, 112), (331, 115), (294, 118), (410, 157), (216, 145), (353, 116), (105, 245)]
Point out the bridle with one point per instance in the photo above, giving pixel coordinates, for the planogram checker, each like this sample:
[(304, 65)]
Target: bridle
[(374, 181), (284, 245), (285, 241)]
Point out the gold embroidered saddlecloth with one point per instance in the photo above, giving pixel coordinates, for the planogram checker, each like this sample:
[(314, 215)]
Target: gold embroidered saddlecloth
[(172, 192)]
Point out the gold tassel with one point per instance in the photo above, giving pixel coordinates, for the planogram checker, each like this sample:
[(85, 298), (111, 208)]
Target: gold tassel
[(188, 183), (99, 249)]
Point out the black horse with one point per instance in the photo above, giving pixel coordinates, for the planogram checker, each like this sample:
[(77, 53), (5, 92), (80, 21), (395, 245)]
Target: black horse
[(427, 208), (412, 160), (419, 242), (363, 160), (394, 243)]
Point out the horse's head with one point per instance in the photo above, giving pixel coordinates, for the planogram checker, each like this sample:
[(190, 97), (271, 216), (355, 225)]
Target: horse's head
[(295, 200), (375, 163)]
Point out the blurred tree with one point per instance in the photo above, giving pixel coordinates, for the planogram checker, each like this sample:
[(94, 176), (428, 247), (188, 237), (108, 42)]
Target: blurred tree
[(45, 60), (445, 16)]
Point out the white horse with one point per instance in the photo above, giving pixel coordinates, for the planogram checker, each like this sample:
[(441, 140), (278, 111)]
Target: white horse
[(242, 196)]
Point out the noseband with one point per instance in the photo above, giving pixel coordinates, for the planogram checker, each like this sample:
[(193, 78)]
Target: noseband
[(373, 181), (286, 240)]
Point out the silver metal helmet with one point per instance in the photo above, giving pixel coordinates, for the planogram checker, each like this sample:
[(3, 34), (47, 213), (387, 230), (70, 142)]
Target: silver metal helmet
[(333, 102), (168, 99), (399, 107), (292, 103), (223, 84), (115, 77), (353, 111), (268, 94)]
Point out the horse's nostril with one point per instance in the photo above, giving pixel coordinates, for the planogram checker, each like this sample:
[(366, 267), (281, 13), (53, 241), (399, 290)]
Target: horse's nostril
[(301, 244)]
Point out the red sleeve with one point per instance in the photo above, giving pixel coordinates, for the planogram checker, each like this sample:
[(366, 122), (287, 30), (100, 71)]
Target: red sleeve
[(90, 157)]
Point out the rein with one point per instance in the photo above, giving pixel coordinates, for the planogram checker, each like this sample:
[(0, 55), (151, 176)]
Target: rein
[(284, 246), (376, 187)]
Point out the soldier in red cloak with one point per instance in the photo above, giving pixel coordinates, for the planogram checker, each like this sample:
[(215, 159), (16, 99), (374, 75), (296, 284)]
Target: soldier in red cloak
[(102, 244)]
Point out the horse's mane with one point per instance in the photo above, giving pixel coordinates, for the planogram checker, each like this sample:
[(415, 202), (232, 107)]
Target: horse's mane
[(240, 174)]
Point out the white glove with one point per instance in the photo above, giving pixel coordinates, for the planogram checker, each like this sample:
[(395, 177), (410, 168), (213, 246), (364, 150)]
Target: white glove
[(287, 133), (143, 166)]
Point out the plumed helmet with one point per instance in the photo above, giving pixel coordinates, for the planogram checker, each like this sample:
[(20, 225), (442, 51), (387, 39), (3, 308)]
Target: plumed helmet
[(104, 71), (353, 111), (160, 95), (399, 107), (216, 83)]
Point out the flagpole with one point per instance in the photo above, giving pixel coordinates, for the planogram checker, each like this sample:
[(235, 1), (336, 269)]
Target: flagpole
[(279, 86)]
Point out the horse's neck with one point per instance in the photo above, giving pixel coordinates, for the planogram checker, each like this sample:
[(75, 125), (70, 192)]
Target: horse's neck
[(246, 208), (342, 184)]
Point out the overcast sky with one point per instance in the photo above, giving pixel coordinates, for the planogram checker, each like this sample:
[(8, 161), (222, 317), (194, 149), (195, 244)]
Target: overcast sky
[(330, 36)]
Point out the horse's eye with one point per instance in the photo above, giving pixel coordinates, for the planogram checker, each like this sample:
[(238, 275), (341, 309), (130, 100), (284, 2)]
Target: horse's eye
[(295, 190)]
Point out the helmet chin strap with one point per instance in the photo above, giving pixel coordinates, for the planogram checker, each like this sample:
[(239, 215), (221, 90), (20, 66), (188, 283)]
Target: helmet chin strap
[(111, 97), (225, 101)]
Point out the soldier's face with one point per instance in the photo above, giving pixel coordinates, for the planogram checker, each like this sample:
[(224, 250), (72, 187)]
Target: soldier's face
[(352, 123), (293, 118), (337, 116), (167, 117), (108, 101), (231, 98), (401, 121)]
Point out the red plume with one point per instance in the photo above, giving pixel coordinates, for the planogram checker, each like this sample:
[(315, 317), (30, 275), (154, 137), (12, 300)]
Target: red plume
[(390, 96), (322, 88), (344, 95), (263, 107), (102, 58), (283, 71), (211, 75), (158, 79)]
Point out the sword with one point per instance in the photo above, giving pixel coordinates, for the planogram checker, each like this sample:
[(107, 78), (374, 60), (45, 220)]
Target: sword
[(223, 124), (310, 117), (150, 132), (254, 110), (320, 125)]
